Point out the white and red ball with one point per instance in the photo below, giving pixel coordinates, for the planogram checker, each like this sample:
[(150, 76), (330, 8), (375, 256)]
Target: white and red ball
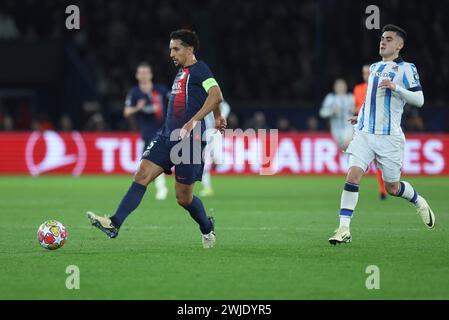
[(51, 234)]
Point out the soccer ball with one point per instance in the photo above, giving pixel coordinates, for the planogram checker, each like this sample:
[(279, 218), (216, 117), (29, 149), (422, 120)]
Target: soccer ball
[(51, 234)]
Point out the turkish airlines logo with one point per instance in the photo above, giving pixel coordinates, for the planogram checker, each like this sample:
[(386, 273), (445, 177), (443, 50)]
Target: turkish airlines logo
[(52, 152)]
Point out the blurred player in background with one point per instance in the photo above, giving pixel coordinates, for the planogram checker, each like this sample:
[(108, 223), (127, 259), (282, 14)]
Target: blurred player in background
[(195, 93), (378, 135), (359, 95), (338, 107), (146, 102), (214, 153)]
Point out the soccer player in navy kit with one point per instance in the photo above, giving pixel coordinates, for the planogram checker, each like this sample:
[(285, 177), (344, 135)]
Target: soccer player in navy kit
[(195, 93), (146, 102)]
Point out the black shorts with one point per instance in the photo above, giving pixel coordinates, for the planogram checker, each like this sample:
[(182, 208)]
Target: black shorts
[(186, 156)]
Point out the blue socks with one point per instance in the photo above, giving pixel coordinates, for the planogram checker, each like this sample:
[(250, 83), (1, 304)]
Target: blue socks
[(349, 199), (129, 203), (406, 191), (197, 212), (134, 196)]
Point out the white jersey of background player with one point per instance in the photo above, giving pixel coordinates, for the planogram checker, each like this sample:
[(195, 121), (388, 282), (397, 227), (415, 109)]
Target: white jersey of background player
[(378, 136), (213, 152), (338, 106)]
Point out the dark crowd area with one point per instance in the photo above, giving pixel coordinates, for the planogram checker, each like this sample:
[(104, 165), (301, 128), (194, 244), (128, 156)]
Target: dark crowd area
[(275, 60)]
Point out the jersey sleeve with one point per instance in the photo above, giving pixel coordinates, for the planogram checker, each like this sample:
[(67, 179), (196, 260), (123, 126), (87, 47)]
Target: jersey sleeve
[(327, 107), (410, 78), (206, 78)]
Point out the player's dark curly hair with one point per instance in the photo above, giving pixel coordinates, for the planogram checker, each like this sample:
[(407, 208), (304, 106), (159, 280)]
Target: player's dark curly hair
[(399, 31), (187, 37)]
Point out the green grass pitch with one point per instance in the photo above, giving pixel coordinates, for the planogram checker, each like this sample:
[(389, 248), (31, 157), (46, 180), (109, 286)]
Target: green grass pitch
[(271, 242)]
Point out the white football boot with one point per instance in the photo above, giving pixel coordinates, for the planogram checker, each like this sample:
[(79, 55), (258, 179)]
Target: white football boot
[(209, 238), (425, 212), (103, 223), (341, 235)]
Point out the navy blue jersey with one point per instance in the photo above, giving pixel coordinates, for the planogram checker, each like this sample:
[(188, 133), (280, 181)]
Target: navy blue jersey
[(151, 117), (188, 94)]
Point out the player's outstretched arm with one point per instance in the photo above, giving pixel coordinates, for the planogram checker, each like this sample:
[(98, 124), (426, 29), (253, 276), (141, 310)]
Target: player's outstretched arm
[(327, 108), (415, 98), (214, 97), (130, 110), (220, 120)]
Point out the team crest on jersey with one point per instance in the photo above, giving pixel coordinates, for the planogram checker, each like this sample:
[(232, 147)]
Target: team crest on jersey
[(177, 86), (147, 151), (416, 76)]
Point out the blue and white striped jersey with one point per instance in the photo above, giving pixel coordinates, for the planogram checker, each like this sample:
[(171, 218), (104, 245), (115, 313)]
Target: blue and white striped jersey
[(382, 110), (338, 108)]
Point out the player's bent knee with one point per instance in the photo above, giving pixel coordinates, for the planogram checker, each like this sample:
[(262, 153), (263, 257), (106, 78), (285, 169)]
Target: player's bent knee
[(183, 200), (392, 188), (140, 177), (143, 176), (184, 194), (147, 172), (355, 175)]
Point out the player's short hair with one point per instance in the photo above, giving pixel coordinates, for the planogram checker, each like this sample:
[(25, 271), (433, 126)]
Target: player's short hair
[(187, 37), (399, 31), (144, 64)]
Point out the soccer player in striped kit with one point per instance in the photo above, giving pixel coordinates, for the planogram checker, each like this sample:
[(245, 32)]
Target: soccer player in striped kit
[(213, 153), (359, 96), (338, 106), (378, 135)]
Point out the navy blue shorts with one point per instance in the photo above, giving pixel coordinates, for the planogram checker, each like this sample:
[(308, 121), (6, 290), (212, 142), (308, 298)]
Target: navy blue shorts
[(186, 156)]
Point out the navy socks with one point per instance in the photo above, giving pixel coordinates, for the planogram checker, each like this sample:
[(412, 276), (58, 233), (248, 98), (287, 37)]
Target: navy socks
[(134, 196), (197, 212), (129, 203)]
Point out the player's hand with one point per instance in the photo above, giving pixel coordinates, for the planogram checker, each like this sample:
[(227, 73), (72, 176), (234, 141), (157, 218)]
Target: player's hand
[(140, 104), (387, 84), (353, 120), (220, 124), (186, 129)]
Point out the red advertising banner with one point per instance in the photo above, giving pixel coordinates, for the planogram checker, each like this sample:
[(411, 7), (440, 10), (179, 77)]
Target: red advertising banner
[(74, 153)]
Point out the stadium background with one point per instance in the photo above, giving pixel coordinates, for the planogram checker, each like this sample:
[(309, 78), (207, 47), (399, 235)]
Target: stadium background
[(280, 58), (275, 60)]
